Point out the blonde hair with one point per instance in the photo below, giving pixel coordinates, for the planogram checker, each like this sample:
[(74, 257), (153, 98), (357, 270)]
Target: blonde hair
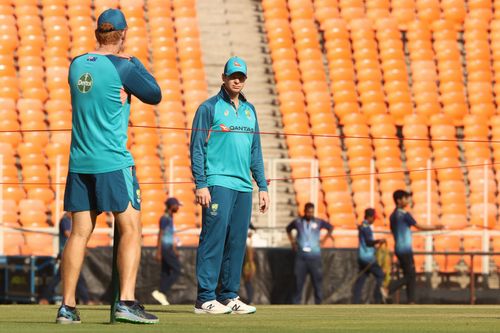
[(106, 34)]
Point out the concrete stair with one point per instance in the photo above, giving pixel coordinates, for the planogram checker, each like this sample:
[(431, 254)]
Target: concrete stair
[(229, 28)]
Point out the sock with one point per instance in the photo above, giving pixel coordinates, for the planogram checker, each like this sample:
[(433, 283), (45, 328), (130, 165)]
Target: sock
[(72, 308), (128, 303)]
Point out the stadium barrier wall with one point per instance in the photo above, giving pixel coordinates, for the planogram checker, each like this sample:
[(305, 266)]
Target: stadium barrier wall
[(274, 281)]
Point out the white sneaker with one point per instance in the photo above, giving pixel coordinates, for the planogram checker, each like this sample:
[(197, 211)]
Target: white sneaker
[(385, 294), (238, 307), (211, 307), (160, 297)]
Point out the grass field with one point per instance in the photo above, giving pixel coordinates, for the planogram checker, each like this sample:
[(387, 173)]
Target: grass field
[(268, 319)]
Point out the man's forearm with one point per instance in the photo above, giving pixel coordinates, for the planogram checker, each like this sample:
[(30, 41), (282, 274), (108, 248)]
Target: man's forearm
[(424, 227)]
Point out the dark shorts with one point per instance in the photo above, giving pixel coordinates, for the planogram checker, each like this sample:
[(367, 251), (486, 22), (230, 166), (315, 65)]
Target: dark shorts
[(102, 192)]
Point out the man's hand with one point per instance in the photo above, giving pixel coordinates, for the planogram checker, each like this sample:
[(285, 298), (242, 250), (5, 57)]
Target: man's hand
[(203, 197), (294, 246), (263, 201), (158, 255)]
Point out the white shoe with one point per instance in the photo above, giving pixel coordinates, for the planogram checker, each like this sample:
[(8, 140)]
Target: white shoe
[(160, 297), (211, 307), (385, 294), (238, 307)]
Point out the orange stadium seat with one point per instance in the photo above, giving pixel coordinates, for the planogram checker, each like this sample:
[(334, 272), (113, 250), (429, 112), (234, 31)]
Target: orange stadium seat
[(447, 263), (349, 242), (12, 243), (41, 193), (40, 244), (473, 244)]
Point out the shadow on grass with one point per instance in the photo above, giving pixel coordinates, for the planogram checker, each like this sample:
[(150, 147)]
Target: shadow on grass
[(173, 311), (24, 322), (152, 311)]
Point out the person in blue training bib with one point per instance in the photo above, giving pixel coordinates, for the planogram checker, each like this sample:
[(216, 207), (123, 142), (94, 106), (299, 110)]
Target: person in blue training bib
[(225, 152), (101, 173), (166, 252), (307, 246), (401, 223), (367, 261)]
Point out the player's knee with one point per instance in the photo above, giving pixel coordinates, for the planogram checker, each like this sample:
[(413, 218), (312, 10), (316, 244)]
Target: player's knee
[(130, 230), (81, 234)]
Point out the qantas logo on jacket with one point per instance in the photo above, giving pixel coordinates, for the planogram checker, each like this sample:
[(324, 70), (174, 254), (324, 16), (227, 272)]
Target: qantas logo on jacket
[(224, 128)]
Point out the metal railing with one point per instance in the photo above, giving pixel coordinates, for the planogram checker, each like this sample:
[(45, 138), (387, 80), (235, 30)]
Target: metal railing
[(472, 272)]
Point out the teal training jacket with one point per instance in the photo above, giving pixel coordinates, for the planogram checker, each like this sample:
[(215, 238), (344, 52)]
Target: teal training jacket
[(101, 87), (225, 145)]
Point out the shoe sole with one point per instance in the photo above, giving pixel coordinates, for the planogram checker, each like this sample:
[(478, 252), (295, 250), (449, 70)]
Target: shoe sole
[(201, 311), (66, 321), (243, 312), (135, 319)]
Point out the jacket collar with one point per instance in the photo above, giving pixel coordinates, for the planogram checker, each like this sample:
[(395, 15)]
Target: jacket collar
[(225, 96)]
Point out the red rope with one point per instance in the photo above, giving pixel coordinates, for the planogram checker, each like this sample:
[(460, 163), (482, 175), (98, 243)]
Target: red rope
[(281, 134), (304, 178)]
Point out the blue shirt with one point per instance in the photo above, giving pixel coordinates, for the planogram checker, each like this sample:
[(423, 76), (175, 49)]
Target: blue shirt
[(167, 226), (101, 87), (366, 251), (308, 235), (64, 226), (401, 223), (225, 145)]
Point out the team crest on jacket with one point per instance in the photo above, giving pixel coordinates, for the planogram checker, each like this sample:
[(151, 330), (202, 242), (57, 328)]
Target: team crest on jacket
[(226, 113), (248, 114), (214, 209)]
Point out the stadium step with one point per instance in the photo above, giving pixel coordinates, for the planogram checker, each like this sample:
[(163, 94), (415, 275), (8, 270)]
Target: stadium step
[(238, 26)]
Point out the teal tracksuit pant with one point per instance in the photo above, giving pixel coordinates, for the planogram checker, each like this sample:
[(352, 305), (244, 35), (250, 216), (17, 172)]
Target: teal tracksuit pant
[(222, 243)]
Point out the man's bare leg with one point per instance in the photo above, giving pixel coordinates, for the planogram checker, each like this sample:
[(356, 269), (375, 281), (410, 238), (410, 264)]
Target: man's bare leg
[(129, 250), (74, 253)]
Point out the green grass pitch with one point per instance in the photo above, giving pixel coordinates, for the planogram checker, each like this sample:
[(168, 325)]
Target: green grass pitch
[(268, 319)]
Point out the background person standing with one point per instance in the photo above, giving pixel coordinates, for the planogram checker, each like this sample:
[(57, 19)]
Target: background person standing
[(401, 223), (225, 152), (307, 246), (367, 261), (166, 252)]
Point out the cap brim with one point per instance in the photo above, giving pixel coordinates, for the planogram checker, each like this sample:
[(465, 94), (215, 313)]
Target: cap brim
[(231, 73)]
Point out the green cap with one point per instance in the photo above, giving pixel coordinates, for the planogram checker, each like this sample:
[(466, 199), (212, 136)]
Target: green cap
[(114, 17)]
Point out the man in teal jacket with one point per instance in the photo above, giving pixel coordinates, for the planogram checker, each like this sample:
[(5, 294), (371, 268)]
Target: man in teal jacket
[(225, 151), (101, 174)]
